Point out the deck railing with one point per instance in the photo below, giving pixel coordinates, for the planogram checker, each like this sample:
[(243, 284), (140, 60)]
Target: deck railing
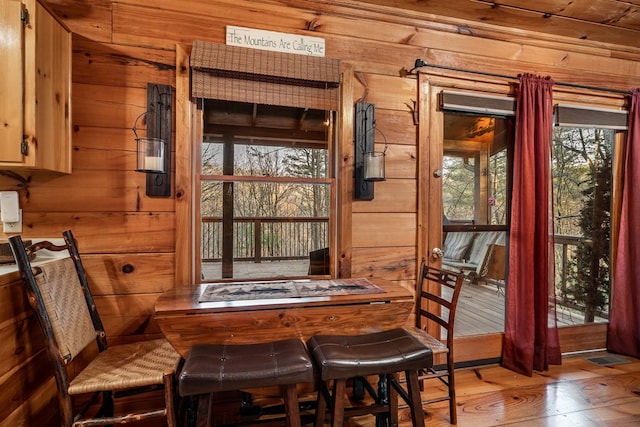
[(568, 245), (257, 239)]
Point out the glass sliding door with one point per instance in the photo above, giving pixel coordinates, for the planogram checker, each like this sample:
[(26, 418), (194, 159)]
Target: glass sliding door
[(475, 200)]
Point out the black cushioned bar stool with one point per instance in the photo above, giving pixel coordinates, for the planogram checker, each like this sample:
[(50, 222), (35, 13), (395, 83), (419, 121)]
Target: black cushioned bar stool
[(339, 358), (211, 368)]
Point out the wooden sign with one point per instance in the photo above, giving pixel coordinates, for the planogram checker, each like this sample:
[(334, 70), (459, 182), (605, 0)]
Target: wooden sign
[(274, 41)]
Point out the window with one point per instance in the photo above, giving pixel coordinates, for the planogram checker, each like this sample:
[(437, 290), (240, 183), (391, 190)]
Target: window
[(265, 178), (582, 177), (582, 151), (265, 189)]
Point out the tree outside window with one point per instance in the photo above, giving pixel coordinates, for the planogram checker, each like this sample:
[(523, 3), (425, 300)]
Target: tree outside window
[(582, 174)]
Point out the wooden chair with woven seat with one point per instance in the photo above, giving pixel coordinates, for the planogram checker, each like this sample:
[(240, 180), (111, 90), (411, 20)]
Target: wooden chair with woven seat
[(59, 293), (438, 294)]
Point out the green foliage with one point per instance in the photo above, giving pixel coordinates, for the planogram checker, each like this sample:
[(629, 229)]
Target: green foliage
[(582, 186)]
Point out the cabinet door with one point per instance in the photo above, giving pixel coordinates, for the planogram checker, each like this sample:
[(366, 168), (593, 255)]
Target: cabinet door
[(49, 133), (11, 81)]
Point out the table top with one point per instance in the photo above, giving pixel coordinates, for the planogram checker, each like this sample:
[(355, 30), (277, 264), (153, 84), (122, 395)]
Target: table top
[(185, 300), (185, 321)]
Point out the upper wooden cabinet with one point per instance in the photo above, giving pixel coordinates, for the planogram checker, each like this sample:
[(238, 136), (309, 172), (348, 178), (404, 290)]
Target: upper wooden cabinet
[(35, 88)]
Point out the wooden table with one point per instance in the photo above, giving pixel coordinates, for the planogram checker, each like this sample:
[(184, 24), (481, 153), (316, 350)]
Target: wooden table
[(185, 321)]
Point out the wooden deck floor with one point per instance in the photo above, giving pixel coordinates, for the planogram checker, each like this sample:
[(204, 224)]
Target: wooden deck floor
[(481, 311), (480, 307)]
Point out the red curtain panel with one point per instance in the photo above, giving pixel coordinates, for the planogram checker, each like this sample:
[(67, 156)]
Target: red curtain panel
[(531, 336), (624, 315)]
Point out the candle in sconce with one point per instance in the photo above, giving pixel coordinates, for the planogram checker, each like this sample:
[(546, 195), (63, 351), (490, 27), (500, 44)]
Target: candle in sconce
[(374, 166), (153, 163)]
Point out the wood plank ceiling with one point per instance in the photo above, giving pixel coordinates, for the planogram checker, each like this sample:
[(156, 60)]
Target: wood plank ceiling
[(614, 22)]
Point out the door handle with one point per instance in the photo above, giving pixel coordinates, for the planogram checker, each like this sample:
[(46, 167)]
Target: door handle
[(437, 253)]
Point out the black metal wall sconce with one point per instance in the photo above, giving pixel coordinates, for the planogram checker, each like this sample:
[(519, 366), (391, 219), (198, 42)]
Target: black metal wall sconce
[(153, 151), (369, 164)]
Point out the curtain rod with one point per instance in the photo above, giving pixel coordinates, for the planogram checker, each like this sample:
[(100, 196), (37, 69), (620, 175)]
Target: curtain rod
[(420, 63)]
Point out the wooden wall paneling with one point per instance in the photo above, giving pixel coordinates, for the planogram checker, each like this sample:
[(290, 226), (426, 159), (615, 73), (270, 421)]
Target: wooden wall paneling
[(166, 27), (41, 408), (478, 347), (22, 345), (384, 229), (128, 315), (558, 55), (129, 274), (514, 51), (162, 29), (15, 305), (465, 14), (121, 65), (387, 92), (518, 48), (400, 161), (597, 99), (392, 195), (581, 337), (107, 232), (91, 19), (349, 27), (96, 191), (396, 264), (511, 68), (101, 138), (572, 339), (397, 125), (22, 381), (88, 158), (97, 105), (21, 339)]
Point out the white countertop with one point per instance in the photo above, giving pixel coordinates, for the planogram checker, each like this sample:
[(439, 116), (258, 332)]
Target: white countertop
[(42, 256)]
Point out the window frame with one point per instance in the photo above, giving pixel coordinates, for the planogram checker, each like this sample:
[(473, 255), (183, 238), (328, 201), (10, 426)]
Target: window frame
[(328, 180)]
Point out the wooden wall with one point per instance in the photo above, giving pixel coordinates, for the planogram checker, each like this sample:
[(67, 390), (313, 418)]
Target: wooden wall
[(119, 46)]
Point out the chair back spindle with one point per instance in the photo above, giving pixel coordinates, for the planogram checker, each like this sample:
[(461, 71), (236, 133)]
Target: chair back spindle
[(438, 293)]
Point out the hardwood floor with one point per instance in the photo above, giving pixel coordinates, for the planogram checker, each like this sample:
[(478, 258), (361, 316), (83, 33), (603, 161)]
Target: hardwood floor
[(578, 393)]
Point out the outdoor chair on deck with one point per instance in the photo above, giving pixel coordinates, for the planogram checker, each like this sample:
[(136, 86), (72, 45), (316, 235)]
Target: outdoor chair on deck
[(438, 294), (59, 294), (319, 262), (480, 256)]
